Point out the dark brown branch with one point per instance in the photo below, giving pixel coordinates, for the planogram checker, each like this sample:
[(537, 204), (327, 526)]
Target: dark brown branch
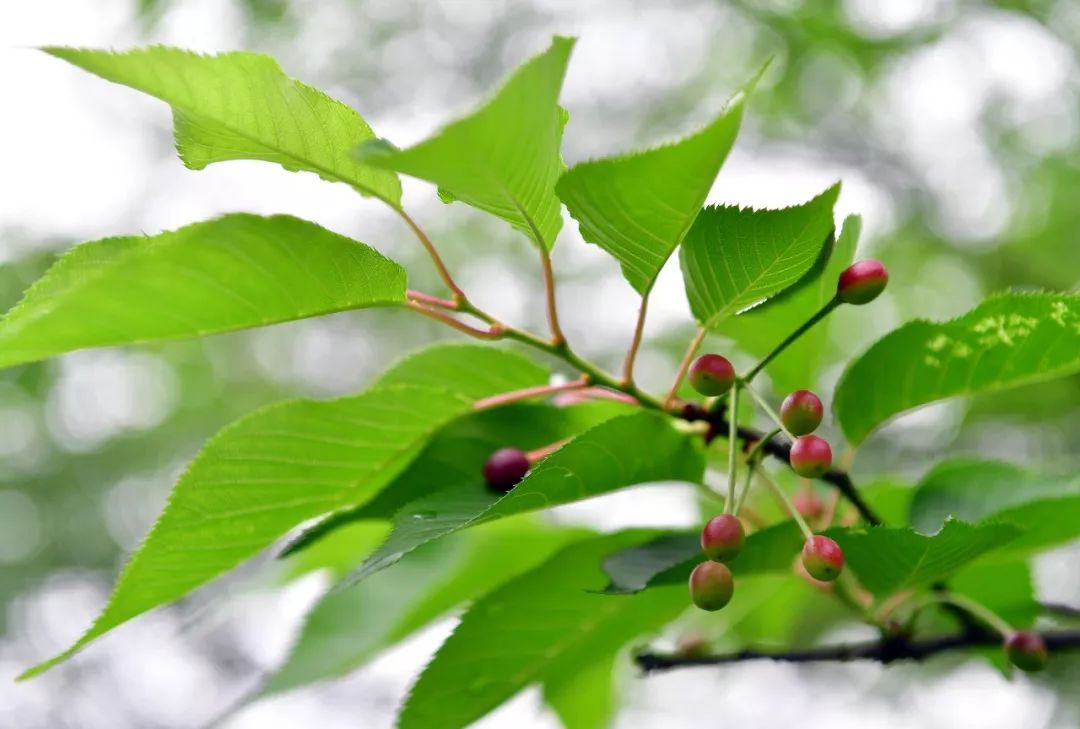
[(1057, 608), (882, 651)]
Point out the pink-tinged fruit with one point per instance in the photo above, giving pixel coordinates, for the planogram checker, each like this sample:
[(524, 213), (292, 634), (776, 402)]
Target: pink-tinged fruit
[(801, 412), (808, 504), (711, 375), (810, 456), (822, 558), (711, 586), (1026, 650), (505, 468), (862, 282), (722, 538)]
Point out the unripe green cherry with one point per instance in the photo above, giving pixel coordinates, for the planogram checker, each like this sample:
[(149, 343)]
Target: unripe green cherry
[(505, 468), (862, 282), (822, 558), (711, 586), (801, 412), (1026, 650), (722, 538), (810, 456), (711, 375)]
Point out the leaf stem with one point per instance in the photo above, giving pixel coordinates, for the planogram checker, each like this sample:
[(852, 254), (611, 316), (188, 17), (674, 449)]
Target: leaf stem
[(430, 300), (529, 392), (425, 241), (806, 326), (557, 337), (635, 343), (978, 610), (691, 350), (491, 333)]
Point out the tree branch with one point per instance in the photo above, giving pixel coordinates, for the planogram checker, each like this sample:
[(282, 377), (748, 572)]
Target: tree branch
[(884, 651)]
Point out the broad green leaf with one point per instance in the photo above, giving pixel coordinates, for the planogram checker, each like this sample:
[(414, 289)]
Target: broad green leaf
[(1046, 507), (624, 451), (242, 106), (886, 560), (1006, 588), (759, 330), (638, 207), (670, 558), (230, 273), (347, 628), (272, 470), (1008, 340), (585, 698), (473, 370), (545, 623), (504, 158), (735, 257), (455, 457)]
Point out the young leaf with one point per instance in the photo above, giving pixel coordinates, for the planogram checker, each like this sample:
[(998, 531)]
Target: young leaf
[(242, 106), (1008, 340), (758, 330), (638, 207), (233, 272), (1046, 507), (585, 698), (624, 451), (271, 470), (735, 257), (669, 559), (545, 623), (886, 560), (504, 158), (347, 628)]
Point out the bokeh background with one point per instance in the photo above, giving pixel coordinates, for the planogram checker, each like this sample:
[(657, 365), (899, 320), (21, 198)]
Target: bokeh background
[(954, 126)]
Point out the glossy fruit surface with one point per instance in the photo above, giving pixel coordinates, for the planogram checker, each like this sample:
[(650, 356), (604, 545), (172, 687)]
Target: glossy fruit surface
[(801, 412), (505, 468), (822, 558), (711, 375), (862, 282), (711, 586), (1026, 650), (722, 538), (810, 456)]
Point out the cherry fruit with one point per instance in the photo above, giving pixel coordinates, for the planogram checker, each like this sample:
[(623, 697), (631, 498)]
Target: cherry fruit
[(801, 412), (822, 558), (722, 538), (711, 586), (712, 375), (810, 456), (505, 468), (862, 282)]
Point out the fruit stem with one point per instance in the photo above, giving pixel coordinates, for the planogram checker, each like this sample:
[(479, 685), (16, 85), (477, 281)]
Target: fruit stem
[(546, 451), (635, 343), (733, 442), (764, 405), (425, 241), (786, 504), (695, 344), (491, 333), (753, 459), (821, 314)]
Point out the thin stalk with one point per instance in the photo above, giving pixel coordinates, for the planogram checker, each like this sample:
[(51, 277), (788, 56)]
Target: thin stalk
[(786, 503), (733, 442), (529, 392), (546, 451), (557, 337), (444, 272), (428, 299), (492, 333), (635, 343), (821, 314), (764, 405), (980, 611), (695, 344), (753, 459)]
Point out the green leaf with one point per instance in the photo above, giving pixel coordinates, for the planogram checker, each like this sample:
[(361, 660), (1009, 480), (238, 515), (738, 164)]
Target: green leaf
[(585, 698), (475, 371), (546, 623), (670, 558), (624, 451), (886, 560), (735, 257), (638, 207), (1005, 588), (230, 273), (274, 469), (1008, 340), (757, 331), (242, 106), (347, 628), (504, 158), (1046, 507)]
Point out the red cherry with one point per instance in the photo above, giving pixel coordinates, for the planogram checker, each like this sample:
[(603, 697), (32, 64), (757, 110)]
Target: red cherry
[(801, 412), (505, 468), (810, 456), (712, 375), (722, 538), (808, 504), (862, 282), (1026, 650), (711, 586), (822, 558)]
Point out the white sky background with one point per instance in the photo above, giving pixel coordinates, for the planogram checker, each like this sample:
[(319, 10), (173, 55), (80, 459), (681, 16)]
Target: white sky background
[(84, 159)]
